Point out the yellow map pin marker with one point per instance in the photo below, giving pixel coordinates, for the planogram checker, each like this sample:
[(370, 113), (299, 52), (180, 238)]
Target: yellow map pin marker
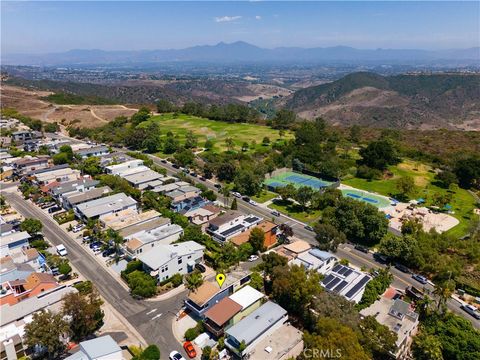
[(220, 279)]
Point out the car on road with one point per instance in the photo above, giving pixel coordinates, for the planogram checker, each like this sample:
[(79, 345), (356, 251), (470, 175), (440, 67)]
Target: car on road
[(175, 355), (381, 258), (361, 248), (175, 166), (254, 203), (252, 258), (54, 209), (421, 279), (472, 310), (78, 227), (163, 161), (402, 268), (200, 268), (275, 213), (189, 349), (193, 174), (61, 250), (108, 252), (245, 198), (309, 228), (236, 194), (218, 186), (202, 178)]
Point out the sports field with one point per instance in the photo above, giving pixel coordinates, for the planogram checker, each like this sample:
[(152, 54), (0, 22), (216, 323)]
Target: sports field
[(218, 131), (367, 197), (297, 180)]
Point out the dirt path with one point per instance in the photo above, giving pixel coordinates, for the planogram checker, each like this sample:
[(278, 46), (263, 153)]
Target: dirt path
[(96, 116)]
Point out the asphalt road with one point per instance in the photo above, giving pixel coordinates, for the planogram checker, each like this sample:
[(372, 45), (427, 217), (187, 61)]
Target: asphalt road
[(345, 251), (142, 315)]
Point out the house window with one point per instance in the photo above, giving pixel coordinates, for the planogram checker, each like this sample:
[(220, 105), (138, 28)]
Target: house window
[(179, 260), (189, 257)]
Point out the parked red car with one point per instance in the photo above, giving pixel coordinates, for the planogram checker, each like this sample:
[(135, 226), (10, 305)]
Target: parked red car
[(189, 349)]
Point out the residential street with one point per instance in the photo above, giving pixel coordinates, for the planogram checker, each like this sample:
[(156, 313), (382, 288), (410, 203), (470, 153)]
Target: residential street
[(345, 251), (142, 315)]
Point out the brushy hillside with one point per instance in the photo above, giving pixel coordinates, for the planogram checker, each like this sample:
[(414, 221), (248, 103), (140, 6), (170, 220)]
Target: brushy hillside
[(401, 101)]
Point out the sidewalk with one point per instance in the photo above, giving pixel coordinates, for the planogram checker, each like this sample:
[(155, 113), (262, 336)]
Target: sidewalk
[(168, 294)]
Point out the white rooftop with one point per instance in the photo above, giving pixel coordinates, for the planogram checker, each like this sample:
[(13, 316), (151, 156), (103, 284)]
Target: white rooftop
[(246, 296)]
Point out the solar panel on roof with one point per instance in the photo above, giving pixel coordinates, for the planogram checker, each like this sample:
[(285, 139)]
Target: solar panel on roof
[(336, 268), (357, 287), (232, 230), (340, 286), (333, 283), (251, 219), (328, 279), (348, 272), (342, 270)]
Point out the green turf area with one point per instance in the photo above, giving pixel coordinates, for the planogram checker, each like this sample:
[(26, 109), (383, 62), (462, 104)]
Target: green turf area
[(217, 131), (295, 211), (462, 201), (264, 196), (366, 197), (297, 180)]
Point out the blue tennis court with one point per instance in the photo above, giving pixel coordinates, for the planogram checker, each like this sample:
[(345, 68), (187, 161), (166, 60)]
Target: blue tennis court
[(297, 180)]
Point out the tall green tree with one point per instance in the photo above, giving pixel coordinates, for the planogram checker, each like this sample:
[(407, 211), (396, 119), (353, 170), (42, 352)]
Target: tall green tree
[(193, 280), (257, 239), (31, 226), (48, 331)]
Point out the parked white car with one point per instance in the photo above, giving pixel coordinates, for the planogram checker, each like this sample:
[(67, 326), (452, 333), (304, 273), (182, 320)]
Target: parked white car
[(252, 258), (251, 202), (175, 355), (61, 250), (236, 194)]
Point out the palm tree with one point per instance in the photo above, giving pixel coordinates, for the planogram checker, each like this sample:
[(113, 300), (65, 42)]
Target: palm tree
[(225, 191), (443, 291), (193, 281)]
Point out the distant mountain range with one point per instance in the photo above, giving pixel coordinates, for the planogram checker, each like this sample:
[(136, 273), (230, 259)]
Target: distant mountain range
[(400, 101), (242, 52)]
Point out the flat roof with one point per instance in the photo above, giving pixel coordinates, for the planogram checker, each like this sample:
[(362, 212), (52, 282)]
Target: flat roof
[(14, 237), (225, 218), (223, 311), (105, 205), (92, 194), (298, 246), (101, 346), (161, 254), (145, 226), (91, 150), (142, 177), (246, 296), (117, 221), (255, 324), (204, 293)]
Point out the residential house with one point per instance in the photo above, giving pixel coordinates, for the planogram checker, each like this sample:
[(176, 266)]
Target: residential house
[(79, 185), (183, 192), (399, 317), (70, 200), (105, 205), (141, 180), (346, 281), (146, 240), (269, 229), (209, 293), (292, 250), (230, 224), (117, 169), (100, 348), (59, 176), (19, 137), (315, 259), (14, 317), (230, 310), (163, 261), (14, 291), (29, 163), (185, 205), (126, 218), (92, 151), (201, 216), (136, 229), (14, 242), (114, 158), (253, 328)]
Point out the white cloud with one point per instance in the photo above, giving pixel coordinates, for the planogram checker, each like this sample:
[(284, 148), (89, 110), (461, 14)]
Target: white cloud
[(219, 19), (258, 17)]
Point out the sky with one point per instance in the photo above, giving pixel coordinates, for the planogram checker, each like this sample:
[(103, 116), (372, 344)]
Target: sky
[(43, 27)]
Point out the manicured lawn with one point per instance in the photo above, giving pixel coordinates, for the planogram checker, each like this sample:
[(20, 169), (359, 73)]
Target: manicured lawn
[(462, 202), (264, 196), (217, 131), (295, 211)]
